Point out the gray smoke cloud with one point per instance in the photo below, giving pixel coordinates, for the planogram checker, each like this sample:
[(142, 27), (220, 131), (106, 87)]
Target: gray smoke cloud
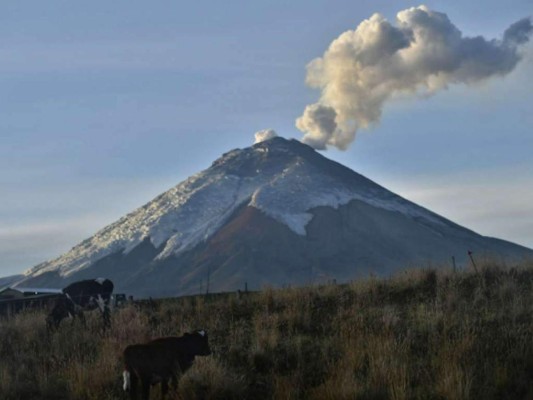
[(423, 53)]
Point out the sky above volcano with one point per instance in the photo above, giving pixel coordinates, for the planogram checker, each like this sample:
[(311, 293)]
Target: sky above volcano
[(105, 105)]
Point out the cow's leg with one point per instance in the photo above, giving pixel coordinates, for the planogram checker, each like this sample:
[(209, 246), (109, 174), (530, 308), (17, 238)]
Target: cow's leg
[(52, 322), (164, 388), (134, 382), (145, 387), (106, 316), (174, 380), (81, 316)]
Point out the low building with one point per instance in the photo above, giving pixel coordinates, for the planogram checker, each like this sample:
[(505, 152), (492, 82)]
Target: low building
[(15, 300)]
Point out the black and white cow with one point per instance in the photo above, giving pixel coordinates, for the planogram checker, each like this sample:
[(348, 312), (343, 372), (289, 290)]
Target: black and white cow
[(83, 296), (160, 361)]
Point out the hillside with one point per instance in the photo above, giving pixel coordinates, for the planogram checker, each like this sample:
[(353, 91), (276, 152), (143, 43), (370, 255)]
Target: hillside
[(276, 213), (423, 334)]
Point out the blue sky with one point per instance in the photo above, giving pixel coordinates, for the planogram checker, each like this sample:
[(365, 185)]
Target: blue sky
[(104, 105)]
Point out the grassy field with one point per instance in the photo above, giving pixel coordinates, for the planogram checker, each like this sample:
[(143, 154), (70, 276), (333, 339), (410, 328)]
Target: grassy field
[(422, 334)]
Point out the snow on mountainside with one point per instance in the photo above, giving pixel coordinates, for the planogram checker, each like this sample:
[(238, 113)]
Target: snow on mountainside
[(283, 178)]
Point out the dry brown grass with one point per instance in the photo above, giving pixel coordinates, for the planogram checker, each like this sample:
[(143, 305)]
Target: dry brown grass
[(423, 334)]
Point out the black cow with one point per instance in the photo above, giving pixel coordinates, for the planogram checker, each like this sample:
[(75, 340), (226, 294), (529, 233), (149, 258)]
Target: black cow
[(161, 360), (80, 296)]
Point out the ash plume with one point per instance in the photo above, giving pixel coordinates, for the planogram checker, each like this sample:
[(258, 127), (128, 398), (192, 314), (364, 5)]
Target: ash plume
[(265, 134), (424, 52)]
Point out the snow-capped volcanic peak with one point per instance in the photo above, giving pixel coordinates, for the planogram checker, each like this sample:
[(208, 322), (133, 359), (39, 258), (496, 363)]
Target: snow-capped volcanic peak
[(283, 178)]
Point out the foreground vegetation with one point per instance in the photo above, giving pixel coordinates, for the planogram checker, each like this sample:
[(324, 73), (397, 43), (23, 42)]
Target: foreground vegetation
[(423, 334)]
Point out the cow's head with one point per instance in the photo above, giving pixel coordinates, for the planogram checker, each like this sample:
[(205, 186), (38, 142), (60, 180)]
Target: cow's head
[(197, 343), (64, 307)]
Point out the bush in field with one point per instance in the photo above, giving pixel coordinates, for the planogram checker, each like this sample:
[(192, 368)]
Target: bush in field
[(423, 334)]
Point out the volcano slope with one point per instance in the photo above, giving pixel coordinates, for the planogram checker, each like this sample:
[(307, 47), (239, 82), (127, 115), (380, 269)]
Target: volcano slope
[(276, 213)]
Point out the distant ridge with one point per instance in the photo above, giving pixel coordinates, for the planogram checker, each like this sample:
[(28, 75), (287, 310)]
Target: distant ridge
[(9, 280)]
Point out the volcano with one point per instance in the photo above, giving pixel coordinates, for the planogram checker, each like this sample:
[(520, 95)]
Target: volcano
[(276, 213)]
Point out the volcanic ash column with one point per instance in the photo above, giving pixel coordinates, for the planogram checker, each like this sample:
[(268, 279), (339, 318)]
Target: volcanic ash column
[(422, 53)]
